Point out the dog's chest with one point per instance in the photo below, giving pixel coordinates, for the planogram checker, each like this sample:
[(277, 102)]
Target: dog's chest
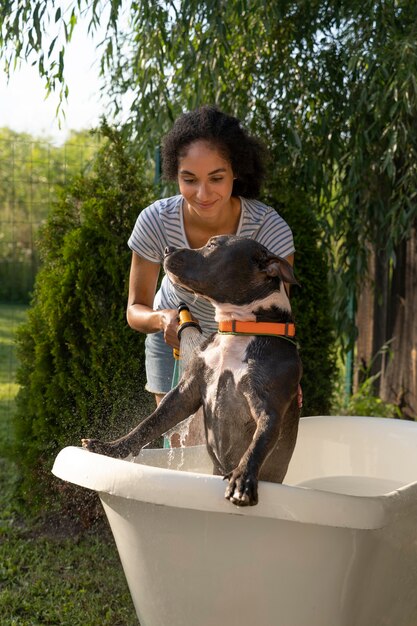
[(225, 353)]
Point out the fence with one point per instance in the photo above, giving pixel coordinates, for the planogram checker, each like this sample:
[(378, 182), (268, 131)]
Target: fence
[(31, 173)]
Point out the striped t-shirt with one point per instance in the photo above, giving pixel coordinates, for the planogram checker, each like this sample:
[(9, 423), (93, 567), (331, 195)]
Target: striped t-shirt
[(161, 224)]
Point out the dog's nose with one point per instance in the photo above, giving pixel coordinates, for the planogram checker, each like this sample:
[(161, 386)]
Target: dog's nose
[(169, 250)]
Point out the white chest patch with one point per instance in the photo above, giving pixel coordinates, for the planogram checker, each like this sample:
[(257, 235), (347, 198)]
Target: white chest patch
[(227, 352)]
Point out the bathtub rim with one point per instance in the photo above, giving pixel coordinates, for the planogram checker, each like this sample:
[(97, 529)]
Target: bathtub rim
[(192, 490)]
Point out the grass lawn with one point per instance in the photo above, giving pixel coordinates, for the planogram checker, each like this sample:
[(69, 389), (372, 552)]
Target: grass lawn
[(11, 315), (52, 572)]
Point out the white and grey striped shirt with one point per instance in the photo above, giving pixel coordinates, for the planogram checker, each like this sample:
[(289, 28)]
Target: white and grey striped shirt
[(161, 224)]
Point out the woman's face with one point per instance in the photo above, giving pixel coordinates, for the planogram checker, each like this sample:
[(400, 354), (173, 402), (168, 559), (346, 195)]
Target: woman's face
[(205, 180)]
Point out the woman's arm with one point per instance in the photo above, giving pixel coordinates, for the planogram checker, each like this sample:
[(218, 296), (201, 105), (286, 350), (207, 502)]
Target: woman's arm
[(140, 313)]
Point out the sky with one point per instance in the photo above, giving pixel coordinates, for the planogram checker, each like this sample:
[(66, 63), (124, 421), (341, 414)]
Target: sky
[(23, 107)]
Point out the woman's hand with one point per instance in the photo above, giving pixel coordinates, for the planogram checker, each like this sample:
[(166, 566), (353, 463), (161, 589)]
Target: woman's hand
[(140, 313), (169, 326)]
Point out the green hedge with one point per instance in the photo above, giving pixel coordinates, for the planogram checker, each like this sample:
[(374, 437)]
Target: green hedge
[(81, 366), (311, 302)]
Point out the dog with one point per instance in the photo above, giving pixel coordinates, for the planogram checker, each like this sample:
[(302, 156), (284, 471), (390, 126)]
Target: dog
[(246, 383)]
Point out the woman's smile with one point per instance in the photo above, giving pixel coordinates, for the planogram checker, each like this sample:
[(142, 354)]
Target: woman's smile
[(206, 205)]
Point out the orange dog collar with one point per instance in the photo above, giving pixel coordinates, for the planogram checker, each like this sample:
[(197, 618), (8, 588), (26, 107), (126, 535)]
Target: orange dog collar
[(235, 327)]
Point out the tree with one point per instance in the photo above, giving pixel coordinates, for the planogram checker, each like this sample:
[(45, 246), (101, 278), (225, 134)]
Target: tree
[(332, 89), (330, 86)]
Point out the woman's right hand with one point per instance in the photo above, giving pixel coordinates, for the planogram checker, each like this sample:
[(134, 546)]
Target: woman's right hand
[(169, 325)]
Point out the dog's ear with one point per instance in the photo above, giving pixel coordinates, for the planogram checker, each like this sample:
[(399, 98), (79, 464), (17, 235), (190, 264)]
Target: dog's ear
[(280, 267)]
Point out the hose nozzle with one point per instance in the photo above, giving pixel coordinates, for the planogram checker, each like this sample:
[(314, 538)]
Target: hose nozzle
[(186, 320)]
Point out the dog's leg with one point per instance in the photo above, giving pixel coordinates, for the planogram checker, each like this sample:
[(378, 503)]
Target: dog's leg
[(243, 481), (177, 405), (276, 464)]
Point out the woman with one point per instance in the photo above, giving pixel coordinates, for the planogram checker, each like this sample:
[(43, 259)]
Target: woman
[(219, 169)]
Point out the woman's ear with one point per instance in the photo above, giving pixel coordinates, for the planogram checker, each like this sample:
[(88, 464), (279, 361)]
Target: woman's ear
[(277, 267)]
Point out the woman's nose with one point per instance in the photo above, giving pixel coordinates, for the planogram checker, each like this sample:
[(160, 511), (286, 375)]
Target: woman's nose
[(203, 192)]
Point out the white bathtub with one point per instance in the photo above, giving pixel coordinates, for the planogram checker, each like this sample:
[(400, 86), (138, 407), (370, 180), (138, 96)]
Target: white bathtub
[(336, 545)]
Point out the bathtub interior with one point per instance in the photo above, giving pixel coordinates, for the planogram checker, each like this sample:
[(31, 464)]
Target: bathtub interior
[(361, 456), (380, 450)]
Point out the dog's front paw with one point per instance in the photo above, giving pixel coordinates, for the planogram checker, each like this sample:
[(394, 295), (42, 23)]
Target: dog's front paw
[(101, 447), (242, 489)]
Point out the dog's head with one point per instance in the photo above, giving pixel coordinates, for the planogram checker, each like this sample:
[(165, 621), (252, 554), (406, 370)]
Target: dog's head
[(228, 269)]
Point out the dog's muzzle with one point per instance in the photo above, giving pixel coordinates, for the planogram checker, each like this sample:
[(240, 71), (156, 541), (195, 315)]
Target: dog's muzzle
[(169, 250)]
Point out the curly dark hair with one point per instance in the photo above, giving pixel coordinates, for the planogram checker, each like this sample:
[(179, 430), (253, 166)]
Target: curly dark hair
[(245, 153)]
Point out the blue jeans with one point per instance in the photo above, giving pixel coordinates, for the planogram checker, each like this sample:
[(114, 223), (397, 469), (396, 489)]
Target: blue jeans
[(159, 364)]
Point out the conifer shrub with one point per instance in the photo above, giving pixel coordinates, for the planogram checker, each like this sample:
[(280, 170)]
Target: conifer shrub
[(81, 365)]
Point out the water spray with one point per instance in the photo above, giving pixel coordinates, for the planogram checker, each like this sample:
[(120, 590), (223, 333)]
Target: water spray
[(190, 336)]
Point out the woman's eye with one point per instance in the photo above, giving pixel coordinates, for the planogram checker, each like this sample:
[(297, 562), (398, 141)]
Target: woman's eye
[(192, 181)]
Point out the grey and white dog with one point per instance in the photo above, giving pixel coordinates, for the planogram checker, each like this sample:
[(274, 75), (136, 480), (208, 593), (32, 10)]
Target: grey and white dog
[(246, 383)]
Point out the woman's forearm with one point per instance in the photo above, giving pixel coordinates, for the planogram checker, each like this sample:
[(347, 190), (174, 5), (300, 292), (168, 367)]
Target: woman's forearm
[(143, 318)]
